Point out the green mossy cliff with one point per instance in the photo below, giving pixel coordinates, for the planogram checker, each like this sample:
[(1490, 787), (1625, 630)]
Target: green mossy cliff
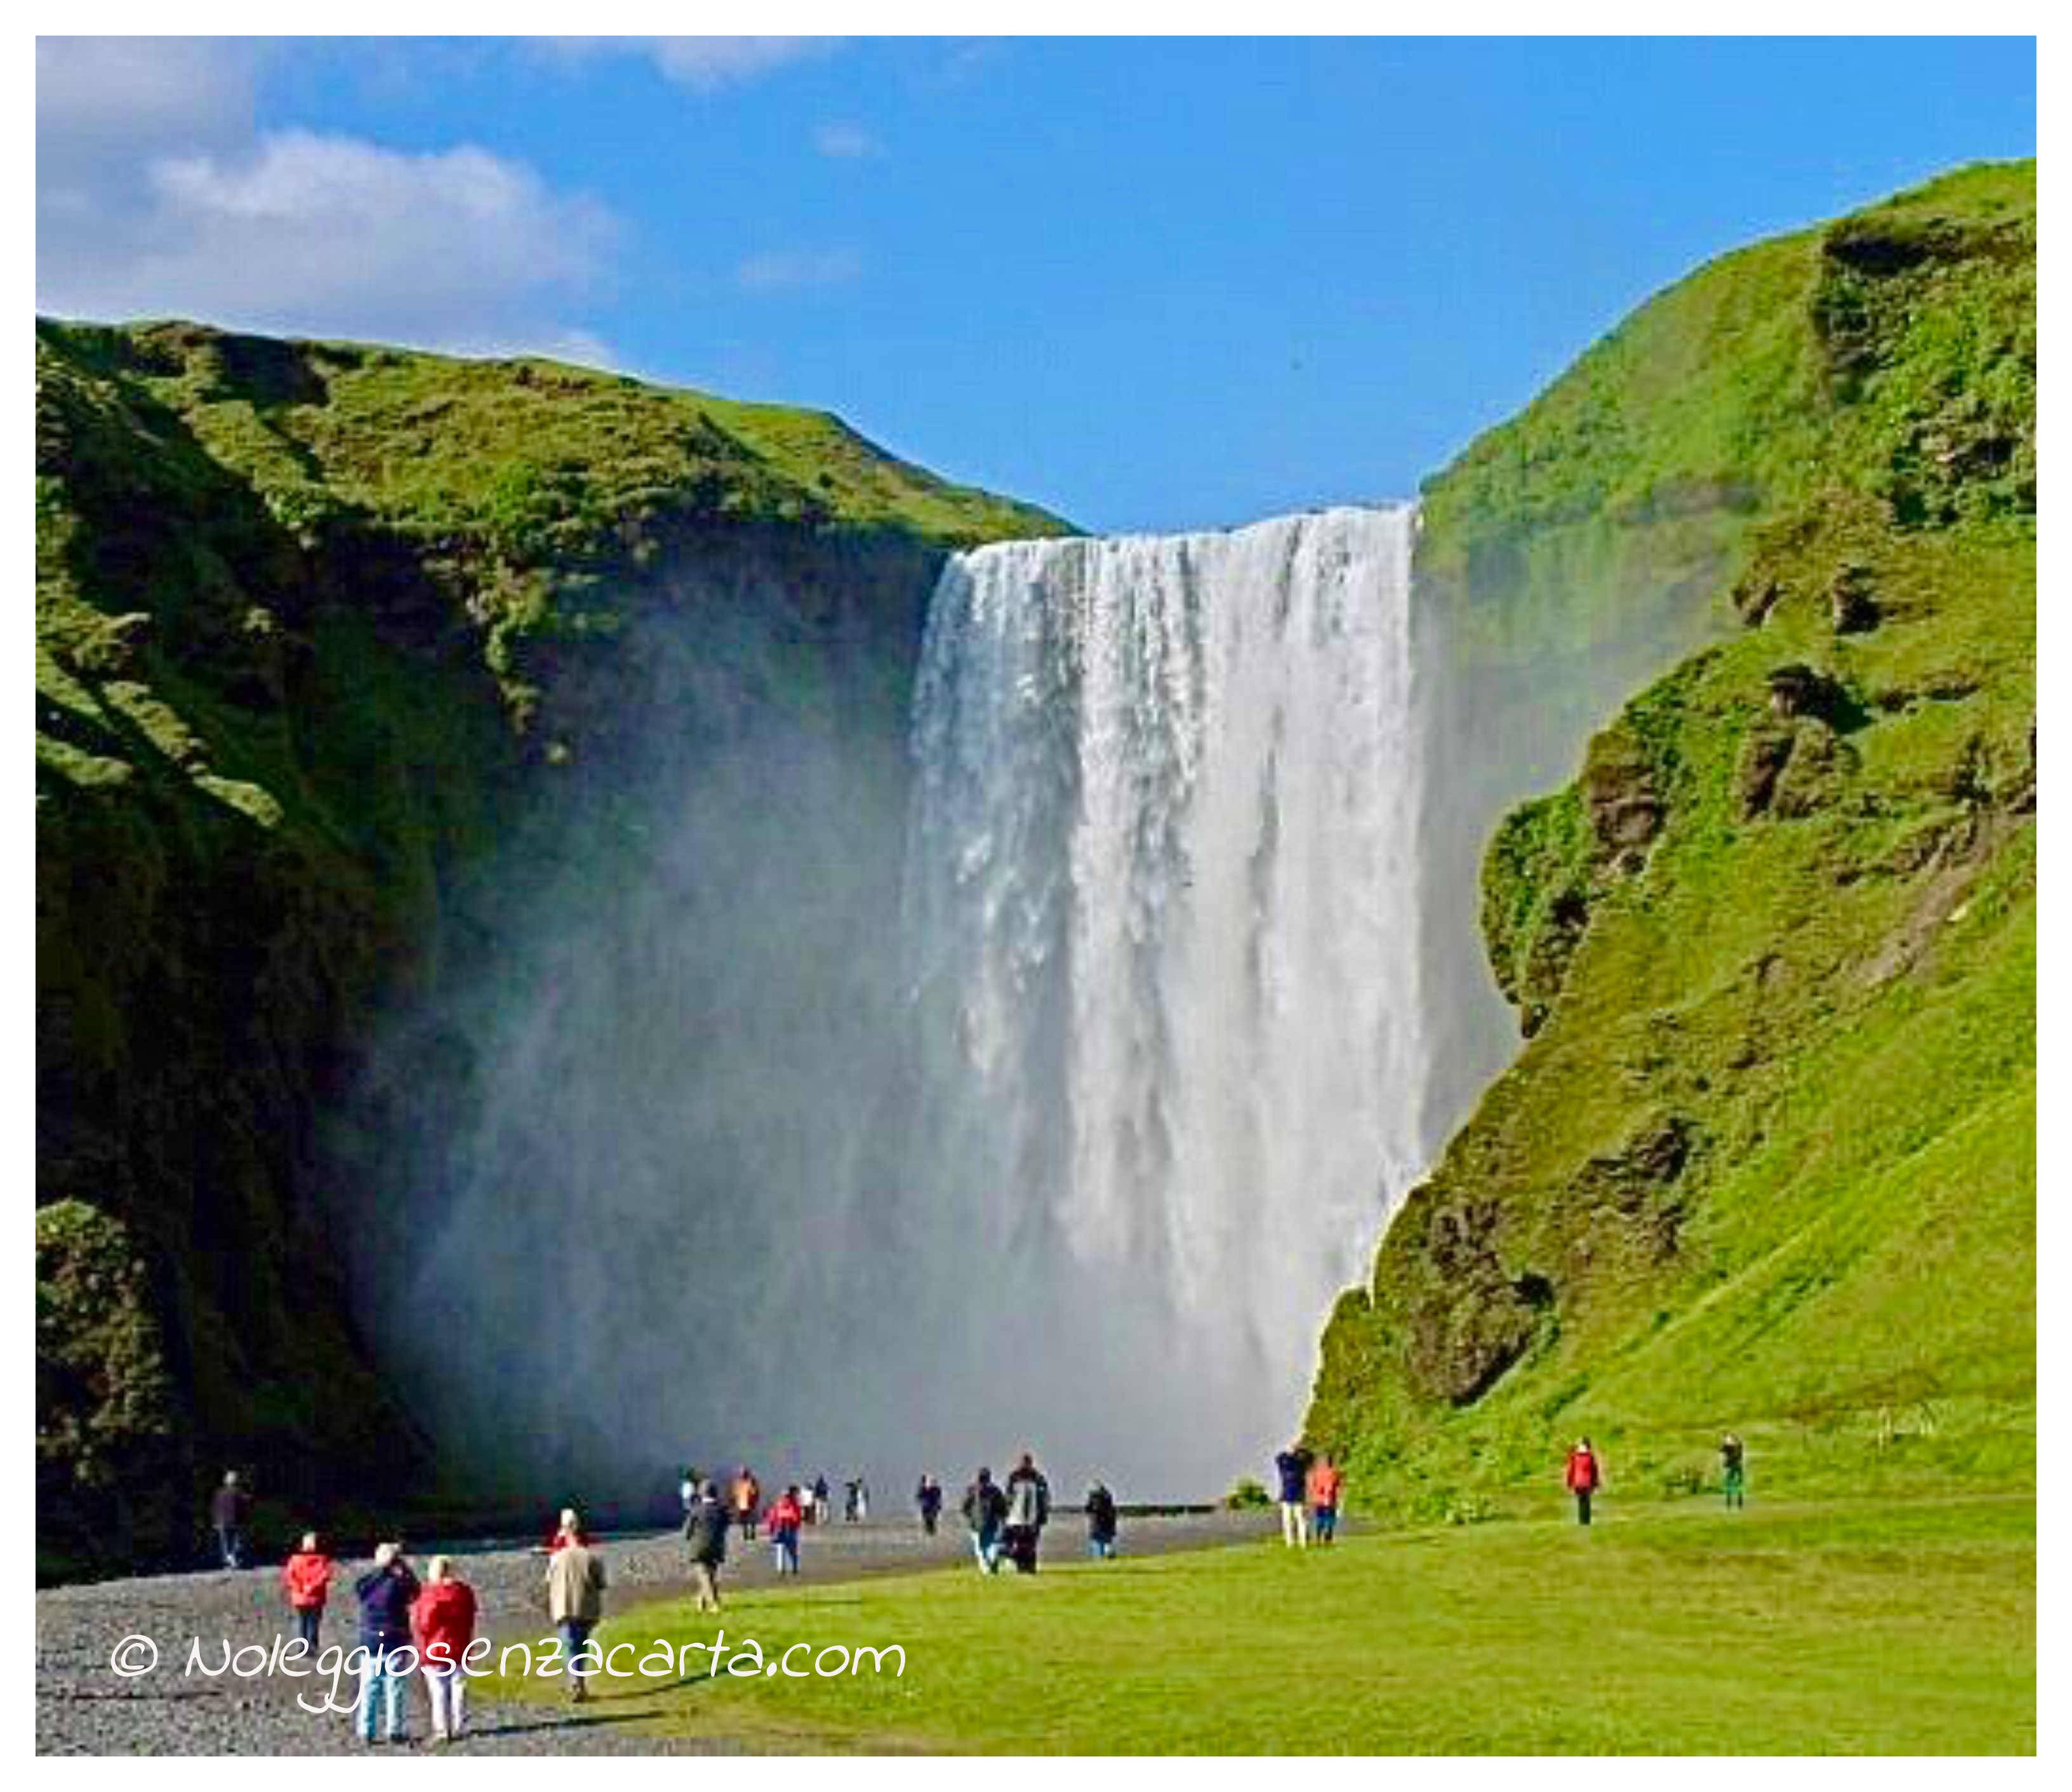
[(1766, 1160), (318, 626)]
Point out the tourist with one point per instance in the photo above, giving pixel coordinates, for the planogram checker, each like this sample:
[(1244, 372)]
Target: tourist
[(687, 1492), (985, 1511), (1584, 1475), (706, 1531), (227, 1512), (824, 1501), (1733, 1472), (575, 1602), (442, 1622), (848, 1501), (306, 1577), (786, 1516), (386, 1593), (1100, 1522), (862, 1499), (567, 1529), (928, 1497), (1325, 1483), (747, 1500), (1028, 1511), (1292, 1466)]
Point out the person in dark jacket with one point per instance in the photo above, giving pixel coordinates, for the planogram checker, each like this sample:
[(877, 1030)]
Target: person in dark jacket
[(706, 1531), (226, 1511), (985, 1511), (1733, 1470), (1292, 1465), (1028, 1511), (1100, 1521), (928, 1498), (386, 1593)]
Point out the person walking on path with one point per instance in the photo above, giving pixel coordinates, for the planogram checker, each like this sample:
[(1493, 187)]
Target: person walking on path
[(747, 1500), (1733, 1471), (228, 1512), (1325, 1482), (862, 1500), (386, 1593), (575, 1602), (786, 1517), (706, 1531), (928, 1498), (1292, 1467), (985, 1511), (687, 1492), (1100, 1522), (1584, 1475), (443, 1623), (1028, 1511), (306, 1578), (824, 1501)]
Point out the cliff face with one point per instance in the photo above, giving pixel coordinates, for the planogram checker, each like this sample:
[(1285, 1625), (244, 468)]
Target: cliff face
[(1766, 1160), (318, 627)]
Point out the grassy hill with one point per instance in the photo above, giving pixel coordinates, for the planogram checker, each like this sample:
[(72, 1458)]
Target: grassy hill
[(317, 625), (1767, 1161)]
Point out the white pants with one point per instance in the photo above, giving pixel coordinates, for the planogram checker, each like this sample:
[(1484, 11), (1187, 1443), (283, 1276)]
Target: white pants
[(1294, 1524), (446, 1687)]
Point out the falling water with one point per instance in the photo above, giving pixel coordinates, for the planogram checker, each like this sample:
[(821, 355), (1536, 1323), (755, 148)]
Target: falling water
[(746, 1143), (1160, 898)]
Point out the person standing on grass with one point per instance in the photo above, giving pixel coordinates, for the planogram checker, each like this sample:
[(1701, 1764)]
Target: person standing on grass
[(1584, 1475), (228, 1511), (928, 1497), (443, 1623), (305, 1578), (1292, 1467), (747, 1502), (1100, 1522), (1325, 1483), (786, 1517), (706, 1531), (985, 1511), (1028, 1511), (575, 1602), (386, 1593), (1733, 1471)]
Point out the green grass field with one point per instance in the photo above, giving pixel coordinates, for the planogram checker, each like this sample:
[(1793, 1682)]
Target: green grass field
[(1790, 1628)]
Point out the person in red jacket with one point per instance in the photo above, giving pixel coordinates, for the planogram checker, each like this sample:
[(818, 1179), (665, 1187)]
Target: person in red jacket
[(569, 1530), (443, 1623), (1585, 1475), (305, 1578), (786, 1515)]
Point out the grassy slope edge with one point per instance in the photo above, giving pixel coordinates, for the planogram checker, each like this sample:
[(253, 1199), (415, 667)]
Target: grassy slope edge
[(314, 621), (1767, 1160)]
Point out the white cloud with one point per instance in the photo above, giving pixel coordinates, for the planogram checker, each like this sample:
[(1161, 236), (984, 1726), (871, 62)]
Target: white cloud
[(705, 63), (788, 270), (840, 142), (156, 198)]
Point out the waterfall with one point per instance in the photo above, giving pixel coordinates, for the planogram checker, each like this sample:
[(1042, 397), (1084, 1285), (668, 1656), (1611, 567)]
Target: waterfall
[(1161, 907), (854, 1086)]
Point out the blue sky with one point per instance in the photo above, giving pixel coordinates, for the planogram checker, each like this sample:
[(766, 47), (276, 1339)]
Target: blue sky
[(1152, 284)]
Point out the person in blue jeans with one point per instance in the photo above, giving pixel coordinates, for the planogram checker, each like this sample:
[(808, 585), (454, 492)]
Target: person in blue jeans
[(1100, 1522), (385, 1593), (985, 1511)]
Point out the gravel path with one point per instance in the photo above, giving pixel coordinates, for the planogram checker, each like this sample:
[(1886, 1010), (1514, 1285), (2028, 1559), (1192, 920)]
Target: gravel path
[(82, 1708)]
